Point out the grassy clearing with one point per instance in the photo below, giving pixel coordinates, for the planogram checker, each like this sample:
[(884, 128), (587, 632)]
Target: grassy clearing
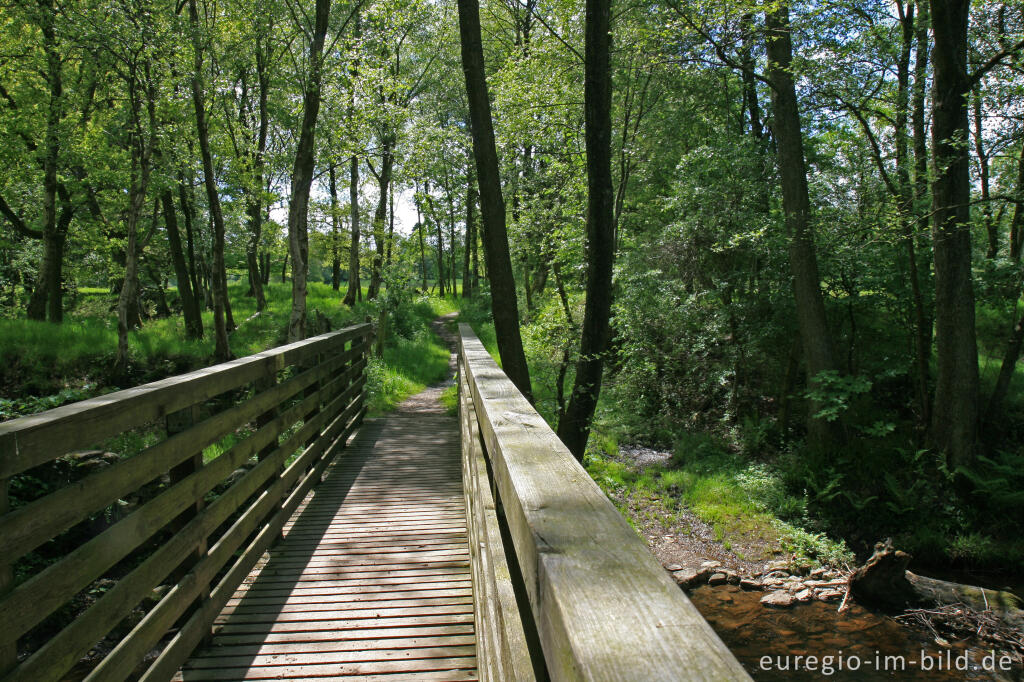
[(44, 365)]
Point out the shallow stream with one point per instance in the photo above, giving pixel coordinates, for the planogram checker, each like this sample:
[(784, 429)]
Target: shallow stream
[(830, 645)]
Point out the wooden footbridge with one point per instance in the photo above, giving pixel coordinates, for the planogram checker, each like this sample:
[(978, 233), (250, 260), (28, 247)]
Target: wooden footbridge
[(260, 529)]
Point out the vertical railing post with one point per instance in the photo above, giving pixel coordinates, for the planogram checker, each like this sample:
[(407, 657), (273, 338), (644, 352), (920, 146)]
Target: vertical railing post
[(313, 389), (365, 341), (8, 649), (176, 422), (259, 386)]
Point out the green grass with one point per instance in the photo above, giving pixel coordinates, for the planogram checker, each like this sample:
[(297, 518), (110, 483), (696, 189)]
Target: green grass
[(406, 368), (43, 365), (450, 400), (745, 504)]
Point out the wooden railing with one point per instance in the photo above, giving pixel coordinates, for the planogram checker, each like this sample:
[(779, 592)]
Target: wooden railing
[(277, 419), (563, 587)]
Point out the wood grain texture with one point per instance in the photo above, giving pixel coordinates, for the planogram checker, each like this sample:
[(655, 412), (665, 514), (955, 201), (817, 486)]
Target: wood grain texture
[(604, 608), (372, 576), (332, 407), (28, 441), (503, 647)]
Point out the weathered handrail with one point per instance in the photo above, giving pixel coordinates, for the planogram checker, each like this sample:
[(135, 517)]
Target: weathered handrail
[(562, 585), (290, 408)]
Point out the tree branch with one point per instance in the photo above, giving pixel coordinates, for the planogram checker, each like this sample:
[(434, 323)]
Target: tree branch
[(993, 62), (16, 221)]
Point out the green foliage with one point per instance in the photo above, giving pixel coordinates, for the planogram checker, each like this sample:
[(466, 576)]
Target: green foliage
[(833, 393)]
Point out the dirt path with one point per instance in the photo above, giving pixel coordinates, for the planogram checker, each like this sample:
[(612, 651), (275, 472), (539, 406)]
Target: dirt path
[(429, 400)]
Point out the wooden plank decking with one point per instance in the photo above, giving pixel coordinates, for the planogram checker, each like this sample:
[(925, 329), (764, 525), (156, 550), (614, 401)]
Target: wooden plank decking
[(372, 578)]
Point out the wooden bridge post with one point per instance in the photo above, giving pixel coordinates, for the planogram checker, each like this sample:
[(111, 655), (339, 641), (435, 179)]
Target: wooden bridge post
[(9, 648), (260, 386)]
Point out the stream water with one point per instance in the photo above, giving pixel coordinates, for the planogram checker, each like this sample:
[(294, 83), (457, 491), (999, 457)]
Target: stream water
[(855, 645)]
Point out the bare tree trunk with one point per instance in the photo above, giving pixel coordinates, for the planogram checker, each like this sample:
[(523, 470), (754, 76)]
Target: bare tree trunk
[(423, 251), (129, 295), (810, 306), (504, 306), (354, 286), (922, 197), (1017, 223), (335, 230), (222, 351), (229, 319), (189, 304), (391, 222), (254, 195), (302, 175), (955, 409), (47, 299), (467, 277), (749, 82), (574, 426), (452, 270), (440, 245), (991, 229), (380, 216), (905, 211), (187, 215), (1013, 346)]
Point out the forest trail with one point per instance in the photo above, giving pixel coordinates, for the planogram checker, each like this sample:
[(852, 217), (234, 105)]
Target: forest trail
[(373, 574), (429, 401)]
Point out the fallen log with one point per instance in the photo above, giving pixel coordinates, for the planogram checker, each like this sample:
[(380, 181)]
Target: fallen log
[(884, 581)]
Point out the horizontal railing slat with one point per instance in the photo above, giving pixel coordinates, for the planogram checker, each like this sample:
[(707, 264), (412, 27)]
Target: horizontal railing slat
[(603, 606), (192, 633), (332, 380), (29, 441), (41, 595), (33, 524)]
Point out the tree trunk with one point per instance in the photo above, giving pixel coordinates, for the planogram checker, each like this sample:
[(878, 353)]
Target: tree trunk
[(991, 229), (127, 300), (1013, 346), (922, 203), (380, 216), (229, 319), (905, 212), (1017, 223), (467, 281), (749, 82), (254, 195), (47, 297), (574, 427), (440, 245), (391, 222), (810, 307), (335, 230), (955, 409), (476, 257), (504, 306), (189, 304), (452, 270), (222, 352), (302, 176), (423, 251), (354, 286), (187, 215)]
